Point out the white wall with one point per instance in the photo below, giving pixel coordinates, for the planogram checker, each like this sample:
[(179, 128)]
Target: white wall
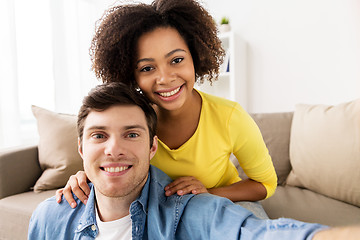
[(298, 51)]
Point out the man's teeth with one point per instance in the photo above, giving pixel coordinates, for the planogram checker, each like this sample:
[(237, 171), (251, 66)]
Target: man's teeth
[(169, 94), (115, 169)]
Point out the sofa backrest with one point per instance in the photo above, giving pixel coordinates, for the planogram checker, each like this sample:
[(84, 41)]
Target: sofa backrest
[(19, 170)]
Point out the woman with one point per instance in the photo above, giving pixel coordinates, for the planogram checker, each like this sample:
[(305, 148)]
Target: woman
[(162, 49)]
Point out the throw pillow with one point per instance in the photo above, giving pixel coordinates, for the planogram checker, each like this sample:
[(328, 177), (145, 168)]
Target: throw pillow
[(325, 150), (58, 155)]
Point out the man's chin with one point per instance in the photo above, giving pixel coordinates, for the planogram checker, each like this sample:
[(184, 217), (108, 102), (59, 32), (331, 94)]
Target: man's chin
[(113, 193), (120, 188)]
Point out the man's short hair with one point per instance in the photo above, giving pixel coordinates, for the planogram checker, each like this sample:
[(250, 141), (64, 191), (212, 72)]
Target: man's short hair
[(106, 95)]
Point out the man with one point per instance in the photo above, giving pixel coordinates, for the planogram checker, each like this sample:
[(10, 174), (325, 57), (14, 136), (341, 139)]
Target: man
[(116, 128)]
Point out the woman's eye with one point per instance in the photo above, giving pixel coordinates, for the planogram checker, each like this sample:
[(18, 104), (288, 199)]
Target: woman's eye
[(177, 60), (146, 69), (133, 135)]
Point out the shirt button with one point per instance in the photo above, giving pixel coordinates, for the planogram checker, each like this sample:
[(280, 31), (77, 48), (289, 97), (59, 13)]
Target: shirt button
[(93, 227)]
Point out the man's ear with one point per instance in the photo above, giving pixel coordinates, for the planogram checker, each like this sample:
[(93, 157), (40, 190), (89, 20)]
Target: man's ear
[(154, 147), (80, 148)]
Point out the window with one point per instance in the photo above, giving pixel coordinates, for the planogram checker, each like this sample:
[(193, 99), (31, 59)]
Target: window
[(44, 61)]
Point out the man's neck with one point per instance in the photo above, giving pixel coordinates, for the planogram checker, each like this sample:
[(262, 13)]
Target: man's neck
[(111, 208)]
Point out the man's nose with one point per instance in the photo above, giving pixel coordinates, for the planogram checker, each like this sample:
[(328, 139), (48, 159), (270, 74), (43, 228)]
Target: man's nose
[(114, 147)]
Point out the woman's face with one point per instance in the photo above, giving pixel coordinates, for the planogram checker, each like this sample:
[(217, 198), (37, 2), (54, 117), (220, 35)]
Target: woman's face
[(164, 68)]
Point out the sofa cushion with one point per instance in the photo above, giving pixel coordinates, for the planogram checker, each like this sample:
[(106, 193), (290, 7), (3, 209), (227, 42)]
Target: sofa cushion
[(58, 155), (308, 206), (324, 150), (16, 212)]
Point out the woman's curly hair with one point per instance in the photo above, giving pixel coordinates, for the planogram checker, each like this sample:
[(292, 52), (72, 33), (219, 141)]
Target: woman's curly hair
[(113, 48)]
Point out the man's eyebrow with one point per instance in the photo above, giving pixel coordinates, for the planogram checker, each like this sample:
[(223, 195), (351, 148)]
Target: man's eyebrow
[(135, 126), (127, 127), (95, 127), (166, 55)]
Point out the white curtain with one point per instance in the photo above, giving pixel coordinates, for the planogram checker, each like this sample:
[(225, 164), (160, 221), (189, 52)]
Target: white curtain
[(44, 61), (9, 108)]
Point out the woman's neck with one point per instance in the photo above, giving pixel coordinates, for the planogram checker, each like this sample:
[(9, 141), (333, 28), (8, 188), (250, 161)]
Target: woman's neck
[(175, 127)]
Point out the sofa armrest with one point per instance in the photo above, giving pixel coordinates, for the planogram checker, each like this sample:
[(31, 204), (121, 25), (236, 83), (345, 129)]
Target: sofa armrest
[(19, 170)]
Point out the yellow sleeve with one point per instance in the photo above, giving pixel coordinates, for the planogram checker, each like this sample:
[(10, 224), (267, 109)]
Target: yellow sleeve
[(250, 149)]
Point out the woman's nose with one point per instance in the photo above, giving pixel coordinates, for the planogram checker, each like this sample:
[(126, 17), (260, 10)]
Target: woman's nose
[(165, 76)]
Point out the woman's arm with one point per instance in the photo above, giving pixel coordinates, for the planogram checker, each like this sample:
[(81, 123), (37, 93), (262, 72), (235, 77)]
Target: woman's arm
[(249, 148), (245, 190)]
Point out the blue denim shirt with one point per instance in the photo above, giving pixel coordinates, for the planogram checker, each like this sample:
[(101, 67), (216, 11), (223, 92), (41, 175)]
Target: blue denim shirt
[(155, 216)]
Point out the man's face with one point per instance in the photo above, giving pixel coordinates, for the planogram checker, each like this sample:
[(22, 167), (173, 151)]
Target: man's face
[(115, 150)]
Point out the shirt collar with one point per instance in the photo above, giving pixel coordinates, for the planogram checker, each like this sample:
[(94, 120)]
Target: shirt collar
[(144, 195), (88, 218)]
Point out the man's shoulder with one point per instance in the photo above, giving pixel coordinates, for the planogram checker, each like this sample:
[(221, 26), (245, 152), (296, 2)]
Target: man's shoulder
[(52, 219), (49, 209), (201, 203), (159, 177), (50, 204), (213, 217), (210, 199)]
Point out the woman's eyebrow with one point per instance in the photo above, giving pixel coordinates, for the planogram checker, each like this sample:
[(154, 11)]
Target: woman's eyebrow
[(145, 60), (166, 55), (174, 51)]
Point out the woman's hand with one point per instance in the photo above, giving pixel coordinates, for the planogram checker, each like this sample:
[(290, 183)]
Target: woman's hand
[(78, 185), (184, 185)]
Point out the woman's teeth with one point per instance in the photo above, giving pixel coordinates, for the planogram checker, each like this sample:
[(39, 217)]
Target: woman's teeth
[(169, 94), (115, 169)]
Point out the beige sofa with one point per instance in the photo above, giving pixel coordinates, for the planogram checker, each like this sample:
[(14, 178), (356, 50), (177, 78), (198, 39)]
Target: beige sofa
[(293, 201), (20, 169)]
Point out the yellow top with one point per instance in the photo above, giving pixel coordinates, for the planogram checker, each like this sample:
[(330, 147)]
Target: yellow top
[(224, 128)]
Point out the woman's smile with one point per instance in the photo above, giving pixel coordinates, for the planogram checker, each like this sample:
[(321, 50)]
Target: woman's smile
[(170, 95)]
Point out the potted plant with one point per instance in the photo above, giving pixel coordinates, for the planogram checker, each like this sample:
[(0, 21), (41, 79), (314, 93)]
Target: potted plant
[(224, 25)]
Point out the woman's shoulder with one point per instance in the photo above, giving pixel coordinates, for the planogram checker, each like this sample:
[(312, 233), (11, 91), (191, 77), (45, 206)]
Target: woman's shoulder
[(219, 103)]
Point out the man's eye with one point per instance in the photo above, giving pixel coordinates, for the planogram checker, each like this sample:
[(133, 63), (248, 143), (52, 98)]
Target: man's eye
[(177, 60), (146, 69), (98, 136), (133, 135)]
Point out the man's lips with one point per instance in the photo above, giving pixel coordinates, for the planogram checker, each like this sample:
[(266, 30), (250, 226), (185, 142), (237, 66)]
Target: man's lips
[(115, 169)]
